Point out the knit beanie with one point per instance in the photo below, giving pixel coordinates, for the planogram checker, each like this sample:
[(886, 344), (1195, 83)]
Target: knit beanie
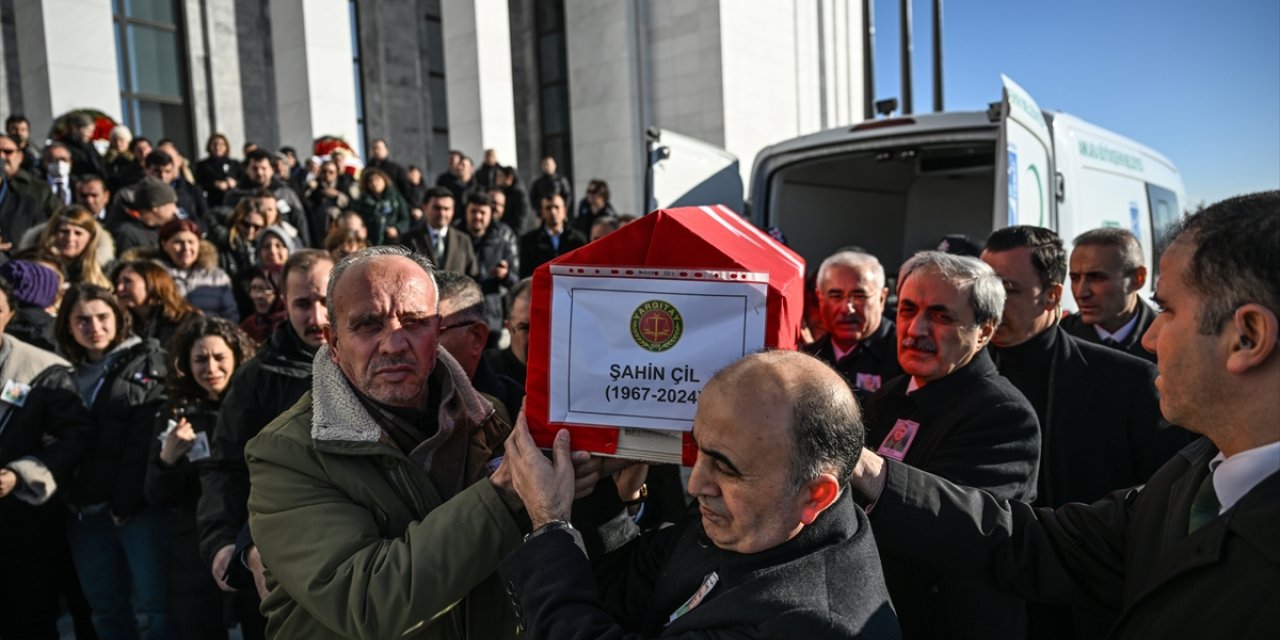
[(33, 283), (151, 193)]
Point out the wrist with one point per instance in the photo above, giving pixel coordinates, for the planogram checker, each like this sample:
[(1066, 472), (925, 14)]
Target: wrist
[(540, 520), (550, 525)]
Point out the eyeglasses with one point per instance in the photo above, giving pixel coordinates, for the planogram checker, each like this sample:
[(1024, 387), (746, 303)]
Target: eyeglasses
[(455, 325), (249, 226)]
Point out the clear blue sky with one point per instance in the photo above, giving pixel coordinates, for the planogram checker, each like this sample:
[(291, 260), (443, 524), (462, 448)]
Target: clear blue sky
[(1198, 81)]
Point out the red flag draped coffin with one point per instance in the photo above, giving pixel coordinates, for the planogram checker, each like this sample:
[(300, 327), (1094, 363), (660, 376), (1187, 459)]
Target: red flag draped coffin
[(687, 241)]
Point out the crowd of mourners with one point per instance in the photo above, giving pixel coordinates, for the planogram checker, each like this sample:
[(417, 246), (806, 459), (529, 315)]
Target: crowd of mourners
[(156, 317), (138, 287)]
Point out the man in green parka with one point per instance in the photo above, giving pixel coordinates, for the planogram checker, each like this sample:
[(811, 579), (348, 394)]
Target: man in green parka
[(371, 501)]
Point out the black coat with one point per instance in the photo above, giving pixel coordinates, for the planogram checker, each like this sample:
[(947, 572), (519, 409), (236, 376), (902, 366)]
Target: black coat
[(260, 390), (869, 366), (212, 169), (497, 244), (517, 215), (18, 213), (1102, 429), (123, 411), (1132, 343), (1129, 551), (975, 429), (53, 427), (824, 583), (194, 597), (504, 362), (536, 249), (85, 159)]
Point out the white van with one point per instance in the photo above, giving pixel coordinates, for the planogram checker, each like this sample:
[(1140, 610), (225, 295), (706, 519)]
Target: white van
[(899, 185)]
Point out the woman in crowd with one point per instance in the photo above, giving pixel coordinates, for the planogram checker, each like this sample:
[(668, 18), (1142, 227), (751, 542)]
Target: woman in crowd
[(385, 213), (205, 353), (238, 248), (275, 245), (341, 243), (193, 263), (216, 174), (155, 307), (268, 305), (81, 243), (120, 542)]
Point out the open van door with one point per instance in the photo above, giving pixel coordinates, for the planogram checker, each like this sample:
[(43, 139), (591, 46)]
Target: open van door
[(684, 172), (1025, 179)]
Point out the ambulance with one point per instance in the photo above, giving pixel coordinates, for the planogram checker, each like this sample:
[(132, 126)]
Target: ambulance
[(898, 185)]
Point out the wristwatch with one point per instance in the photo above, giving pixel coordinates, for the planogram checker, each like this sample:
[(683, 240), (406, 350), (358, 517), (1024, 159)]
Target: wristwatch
[(551, 525)]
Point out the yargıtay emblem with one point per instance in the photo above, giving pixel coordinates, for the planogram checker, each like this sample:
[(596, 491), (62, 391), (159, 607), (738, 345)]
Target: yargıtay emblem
[(656, 326)]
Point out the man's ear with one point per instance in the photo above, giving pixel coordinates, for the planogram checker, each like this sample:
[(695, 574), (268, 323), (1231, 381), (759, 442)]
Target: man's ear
[(1053, 296), (1139, 279), (331, 339), (1253, 333), (478, 334), (985, 331), (820, 493)]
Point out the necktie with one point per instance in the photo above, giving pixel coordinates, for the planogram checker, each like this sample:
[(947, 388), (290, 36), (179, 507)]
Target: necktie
[(62, 192), (438, 245), (1204, 506)]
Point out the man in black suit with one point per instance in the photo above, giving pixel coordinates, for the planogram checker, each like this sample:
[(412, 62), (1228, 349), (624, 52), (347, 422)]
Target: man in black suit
[(1098, 409), (776, 549), (1106, 275), (954, 415), (1189, 554), (449, 247), (553, 239), (860, 341)]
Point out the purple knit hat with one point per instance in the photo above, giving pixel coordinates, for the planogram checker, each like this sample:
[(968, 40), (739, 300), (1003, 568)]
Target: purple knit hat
[(33, 283)]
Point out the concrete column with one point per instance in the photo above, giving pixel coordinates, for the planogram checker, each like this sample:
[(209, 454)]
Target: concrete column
[(67, 58), (605, 99), (212, 43), (477, 62), (314, 77)]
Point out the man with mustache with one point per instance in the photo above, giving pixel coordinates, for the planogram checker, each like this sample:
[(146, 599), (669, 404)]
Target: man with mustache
[(971, 426), (1190, 553), (262, 389), (859, 340)]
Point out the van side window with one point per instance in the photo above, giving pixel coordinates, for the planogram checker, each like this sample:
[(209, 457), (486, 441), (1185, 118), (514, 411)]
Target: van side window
[(1164, 208)]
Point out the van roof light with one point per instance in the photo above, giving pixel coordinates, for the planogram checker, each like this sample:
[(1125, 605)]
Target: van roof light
[(882, 124)]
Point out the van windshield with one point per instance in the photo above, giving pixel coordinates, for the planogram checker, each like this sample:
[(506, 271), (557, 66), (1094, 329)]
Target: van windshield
[(891, 201)]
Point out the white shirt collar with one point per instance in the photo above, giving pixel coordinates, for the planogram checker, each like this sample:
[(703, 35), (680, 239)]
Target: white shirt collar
[(913, 385), (1121, 333), (440, 233), (1236, 476)]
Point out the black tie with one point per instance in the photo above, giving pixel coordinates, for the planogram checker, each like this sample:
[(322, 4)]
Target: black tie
[(1205, 506)]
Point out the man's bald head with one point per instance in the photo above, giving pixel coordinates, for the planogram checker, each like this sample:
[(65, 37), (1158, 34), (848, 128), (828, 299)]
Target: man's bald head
[(792, 388)]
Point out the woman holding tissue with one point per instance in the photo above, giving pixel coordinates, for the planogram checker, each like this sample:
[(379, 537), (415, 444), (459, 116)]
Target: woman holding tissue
[(206, 352), (120, 542)]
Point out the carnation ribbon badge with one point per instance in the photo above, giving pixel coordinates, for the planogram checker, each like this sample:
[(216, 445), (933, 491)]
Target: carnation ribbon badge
[(656, 326)]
